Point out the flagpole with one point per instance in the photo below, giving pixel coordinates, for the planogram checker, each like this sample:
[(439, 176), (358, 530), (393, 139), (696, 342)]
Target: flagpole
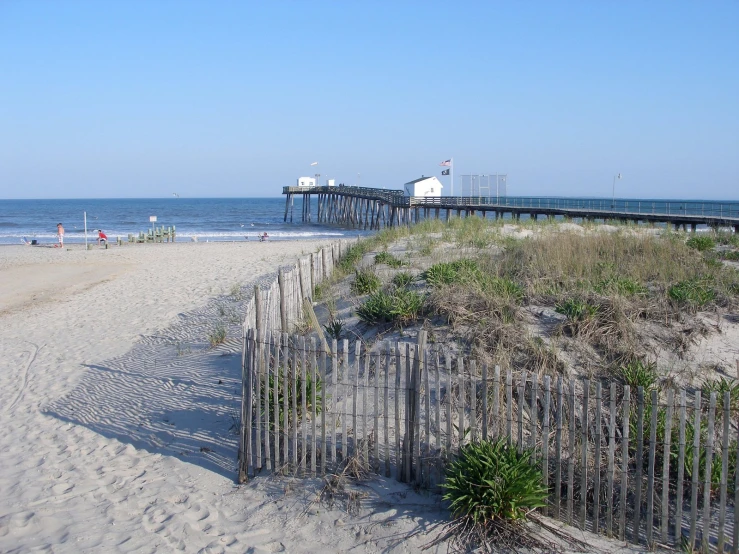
[(451, 174)]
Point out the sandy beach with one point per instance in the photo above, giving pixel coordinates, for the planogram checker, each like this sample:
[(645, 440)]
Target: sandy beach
[(118, 416)]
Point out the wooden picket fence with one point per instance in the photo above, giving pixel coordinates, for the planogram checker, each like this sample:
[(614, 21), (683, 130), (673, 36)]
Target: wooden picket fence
[(612, 463)]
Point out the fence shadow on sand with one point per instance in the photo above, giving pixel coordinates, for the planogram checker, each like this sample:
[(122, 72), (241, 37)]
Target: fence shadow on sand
[(170, 394)]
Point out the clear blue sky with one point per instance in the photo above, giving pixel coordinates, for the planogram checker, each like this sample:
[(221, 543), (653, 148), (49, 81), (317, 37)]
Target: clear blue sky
[(142, 99)]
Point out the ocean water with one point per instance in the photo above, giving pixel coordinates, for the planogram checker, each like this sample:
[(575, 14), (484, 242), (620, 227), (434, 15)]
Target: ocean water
[(206, 219), (235, 219)]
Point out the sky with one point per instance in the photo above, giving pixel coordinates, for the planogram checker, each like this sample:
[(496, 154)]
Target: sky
[(122, 99)]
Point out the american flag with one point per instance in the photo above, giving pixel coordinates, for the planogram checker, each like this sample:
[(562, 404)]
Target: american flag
[(446, 163)]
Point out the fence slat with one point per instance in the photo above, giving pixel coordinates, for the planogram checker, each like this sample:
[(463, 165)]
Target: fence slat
[(484, 398), (324, 408), (398, 455), (427, 399), (276, 400), (346, 388), (558, 451), (545, 440), (257, 393), (386, 413), (304, 357), (334, 422), (625, 428), (707, 476), (509, 406), (496, 403), (365, 408), (573, 453), (611, 459), (460, 386), (376, 430), (639, 462), (596, 469), (696, 469), (666, 466), (680, 471), (285, 400), (407, 447), (313, 408), (294, 391), (355, 393), (521, 408), (584, 459), (437, 371), (724, 472), (534, 413), (650, 474), (473, 401), (449, 437)]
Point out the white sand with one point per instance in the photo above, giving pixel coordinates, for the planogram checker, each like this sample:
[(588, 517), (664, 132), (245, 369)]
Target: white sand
[(117, 416)]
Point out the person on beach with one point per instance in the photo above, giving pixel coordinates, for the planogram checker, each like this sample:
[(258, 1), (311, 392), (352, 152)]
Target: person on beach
[(60, 235), (102, 237), (263, 238)]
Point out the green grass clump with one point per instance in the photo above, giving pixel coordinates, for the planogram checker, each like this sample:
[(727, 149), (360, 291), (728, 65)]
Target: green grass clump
[(365, 282), (353, 255), (696, 292), (701, 243), (721, 385), (448, 273), (217, 335), (576, 310), (731, 255), (401, 306), (638, 373), (403, 279), (620, 285), (386, 257), (334, 328), (492, 481)]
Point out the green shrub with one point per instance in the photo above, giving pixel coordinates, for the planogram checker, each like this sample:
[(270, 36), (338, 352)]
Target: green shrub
[(638, 373), (492, 481), (377, 308), (700, 243), (721, 385), (353, 255), (403, 279), (696, 292), (402, 306), (576, 310), (365, 282), (387, 258), (334, 328)]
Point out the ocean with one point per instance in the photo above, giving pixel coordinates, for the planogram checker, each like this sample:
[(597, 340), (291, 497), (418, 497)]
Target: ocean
[(238, 219), (203, 219)]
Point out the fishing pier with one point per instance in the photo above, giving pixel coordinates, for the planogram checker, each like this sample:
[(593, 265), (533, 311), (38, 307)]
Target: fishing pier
[(373, 208)]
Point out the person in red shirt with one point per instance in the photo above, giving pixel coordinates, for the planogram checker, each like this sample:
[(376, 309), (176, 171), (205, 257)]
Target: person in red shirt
[(102, 237)]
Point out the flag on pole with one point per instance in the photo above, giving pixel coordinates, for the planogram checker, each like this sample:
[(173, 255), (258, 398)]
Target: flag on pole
[(445, 172), (446, 163)]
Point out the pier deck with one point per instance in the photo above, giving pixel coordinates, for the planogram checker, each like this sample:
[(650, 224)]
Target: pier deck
[(372, 208)]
